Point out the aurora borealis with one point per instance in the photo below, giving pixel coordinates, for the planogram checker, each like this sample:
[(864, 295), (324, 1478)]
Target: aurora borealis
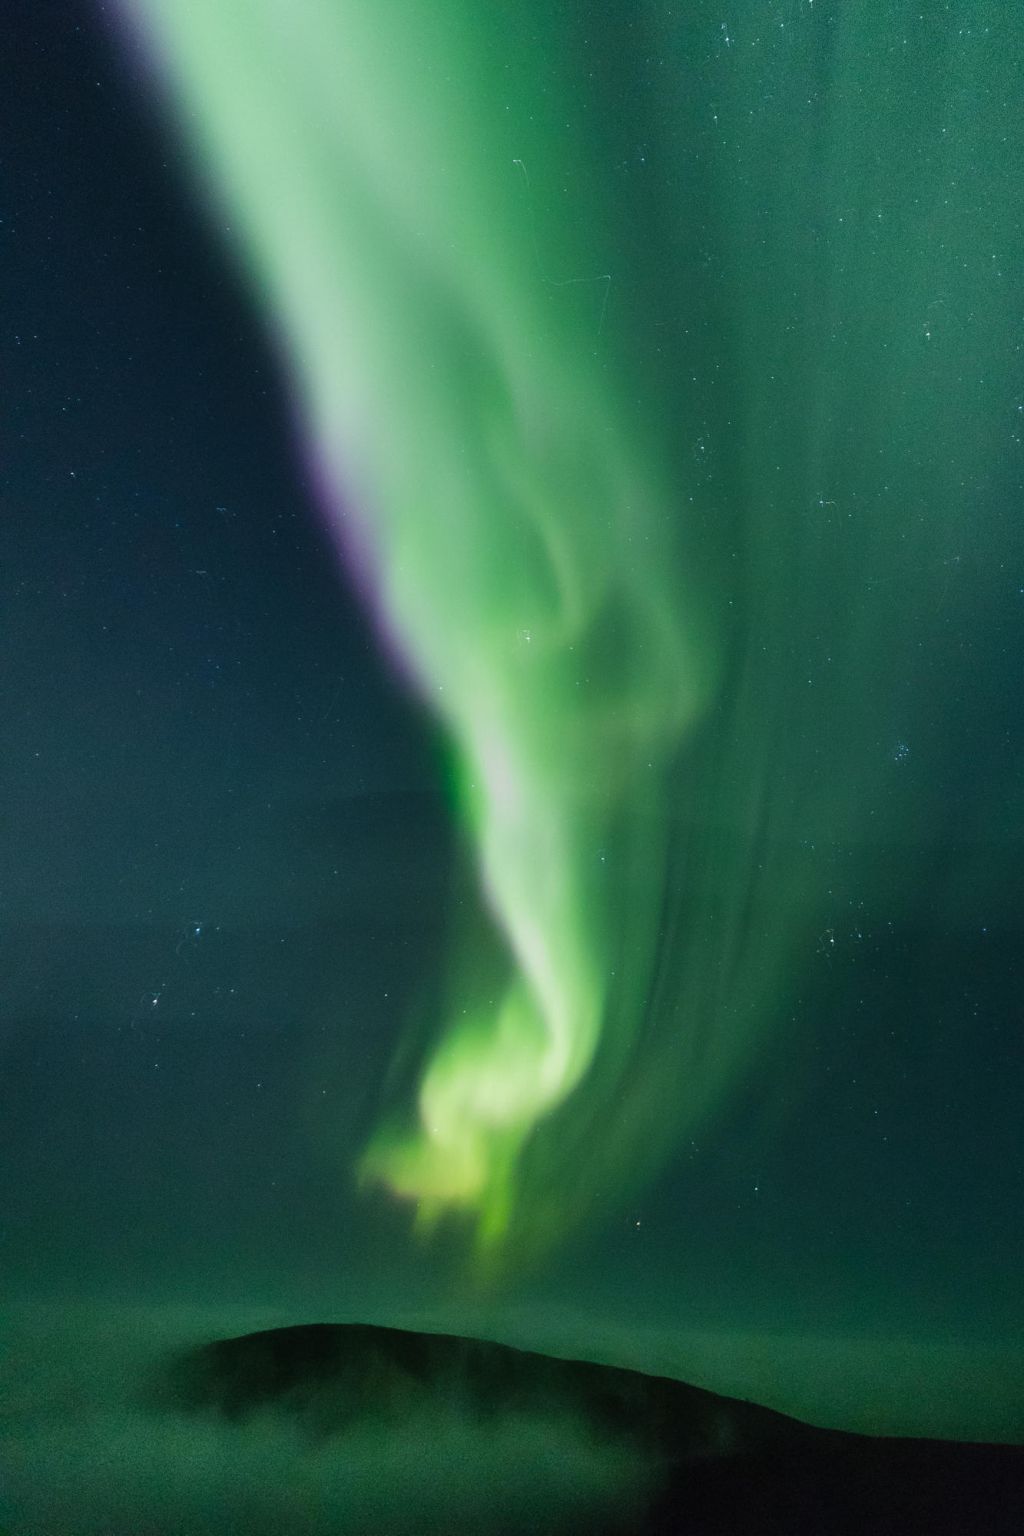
[(552, 561), (512, 587), (513, 519)]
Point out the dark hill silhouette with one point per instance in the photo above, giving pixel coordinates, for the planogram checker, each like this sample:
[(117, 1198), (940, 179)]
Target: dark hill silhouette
[(724, 1466)]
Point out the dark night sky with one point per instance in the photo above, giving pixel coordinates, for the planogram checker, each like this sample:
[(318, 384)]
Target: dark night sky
[(183, 665), (206, 764), (228, 860)]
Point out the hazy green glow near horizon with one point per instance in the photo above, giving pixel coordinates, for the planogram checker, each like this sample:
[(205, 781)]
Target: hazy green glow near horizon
[(674, 662)]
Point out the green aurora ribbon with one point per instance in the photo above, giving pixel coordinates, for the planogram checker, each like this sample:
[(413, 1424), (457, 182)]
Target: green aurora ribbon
[(580, 578)]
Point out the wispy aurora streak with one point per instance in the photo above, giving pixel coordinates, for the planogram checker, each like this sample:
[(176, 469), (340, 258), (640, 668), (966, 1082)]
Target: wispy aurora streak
[(512, 527)]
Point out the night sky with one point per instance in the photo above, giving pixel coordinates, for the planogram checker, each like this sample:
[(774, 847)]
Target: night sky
[(753, 281)]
